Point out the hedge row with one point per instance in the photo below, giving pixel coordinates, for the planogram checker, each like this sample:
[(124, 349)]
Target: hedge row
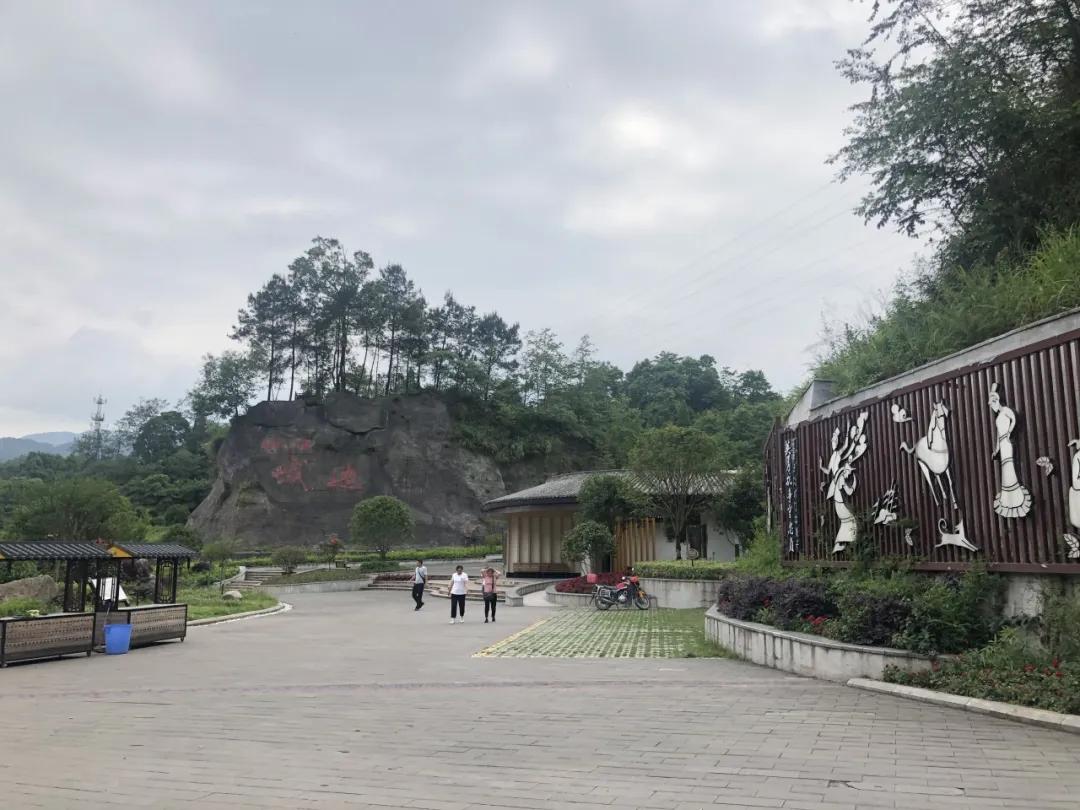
[(684, 569)]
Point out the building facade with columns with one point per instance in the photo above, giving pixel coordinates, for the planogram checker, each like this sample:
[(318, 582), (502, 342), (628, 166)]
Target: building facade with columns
[(538, 517)]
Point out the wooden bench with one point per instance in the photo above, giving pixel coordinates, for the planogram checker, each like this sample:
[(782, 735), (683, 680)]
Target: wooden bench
[(341, 563)]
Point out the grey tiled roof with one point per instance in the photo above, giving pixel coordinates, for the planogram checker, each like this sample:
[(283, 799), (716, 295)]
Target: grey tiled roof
[(53, 550), (156, 551), (560, 489)]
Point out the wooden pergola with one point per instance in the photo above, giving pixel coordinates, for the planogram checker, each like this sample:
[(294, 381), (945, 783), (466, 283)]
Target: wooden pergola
[(81, 561)]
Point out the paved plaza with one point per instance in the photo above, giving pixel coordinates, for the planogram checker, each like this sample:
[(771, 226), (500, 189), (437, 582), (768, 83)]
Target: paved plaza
[(354, 700)]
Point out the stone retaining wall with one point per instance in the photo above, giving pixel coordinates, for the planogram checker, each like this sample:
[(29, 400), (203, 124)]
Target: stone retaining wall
[(319, 587), (682, 593), (805, 654)]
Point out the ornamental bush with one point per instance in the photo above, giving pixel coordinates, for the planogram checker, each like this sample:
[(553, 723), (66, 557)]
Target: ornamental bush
[(288, 557), (913, 612)]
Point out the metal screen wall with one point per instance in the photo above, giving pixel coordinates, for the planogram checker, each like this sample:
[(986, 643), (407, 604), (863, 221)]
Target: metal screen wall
[(1040, 383)]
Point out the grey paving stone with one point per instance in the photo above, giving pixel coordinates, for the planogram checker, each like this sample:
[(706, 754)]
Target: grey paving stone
[(354, 700)]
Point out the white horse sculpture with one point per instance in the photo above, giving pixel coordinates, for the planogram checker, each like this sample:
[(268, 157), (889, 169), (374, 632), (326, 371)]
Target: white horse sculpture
[(932, 453)]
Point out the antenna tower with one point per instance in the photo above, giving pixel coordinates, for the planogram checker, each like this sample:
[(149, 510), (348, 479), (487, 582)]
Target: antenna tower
[(97, 420)]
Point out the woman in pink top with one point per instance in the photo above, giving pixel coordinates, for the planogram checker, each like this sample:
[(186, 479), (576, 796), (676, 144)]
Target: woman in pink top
[(488, 578)]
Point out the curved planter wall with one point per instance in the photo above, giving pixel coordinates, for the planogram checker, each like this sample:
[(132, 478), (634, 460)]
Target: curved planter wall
[(804, 654), (682, 593), (579, 600)]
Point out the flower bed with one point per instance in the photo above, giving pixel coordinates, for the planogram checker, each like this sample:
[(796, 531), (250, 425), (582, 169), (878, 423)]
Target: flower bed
[(1010, 669), (582, 585), (684, 569), (926, 615)]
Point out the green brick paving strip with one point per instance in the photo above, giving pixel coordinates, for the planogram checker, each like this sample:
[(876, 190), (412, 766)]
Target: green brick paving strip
[(611, 634)]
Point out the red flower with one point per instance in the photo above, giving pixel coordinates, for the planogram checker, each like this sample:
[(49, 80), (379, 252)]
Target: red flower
[(1029, 667)]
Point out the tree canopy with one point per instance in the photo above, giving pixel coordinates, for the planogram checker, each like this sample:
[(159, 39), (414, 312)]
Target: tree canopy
[(681, 470), (381, 523), (969, 134), (972, 123), (608, 499)]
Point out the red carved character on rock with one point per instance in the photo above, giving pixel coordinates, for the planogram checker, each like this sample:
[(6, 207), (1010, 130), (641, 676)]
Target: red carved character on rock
[(345, 478), (291, 472)]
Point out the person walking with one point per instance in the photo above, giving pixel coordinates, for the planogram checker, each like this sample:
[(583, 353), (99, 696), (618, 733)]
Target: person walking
[(488, 579), (459, 587), (418, 583)]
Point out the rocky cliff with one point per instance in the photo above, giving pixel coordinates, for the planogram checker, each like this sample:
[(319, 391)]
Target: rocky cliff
[(291, 472)]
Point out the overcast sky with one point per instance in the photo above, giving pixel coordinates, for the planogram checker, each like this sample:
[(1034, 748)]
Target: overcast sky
[(650, 173)]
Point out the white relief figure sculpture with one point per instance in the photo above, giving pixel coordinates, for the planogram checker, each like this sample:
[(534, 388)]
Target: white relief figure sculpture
[(833, 468), (842, 481), (1013, 500), (954, 538), (1074, 502), (908, 538), (932, 453), (844, 485), (886, 506), (899, 415), (1045, 464)]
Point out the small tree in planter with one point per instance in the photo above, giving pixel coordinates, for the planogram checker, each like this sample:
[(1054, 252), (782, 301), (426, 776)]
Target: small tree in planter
[(288, 558), (331, 548), (587, 540), (219, 553), (382, 523)]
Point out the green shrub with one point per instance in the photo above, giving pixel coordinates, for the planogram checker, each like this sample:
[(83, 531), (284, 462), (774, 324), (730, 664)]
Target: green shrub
[(288, 557), (954, 614), (17, 570), (588, 540), (1060, 627), (22, 606), (910, 611), (684, 569), (762, 555)]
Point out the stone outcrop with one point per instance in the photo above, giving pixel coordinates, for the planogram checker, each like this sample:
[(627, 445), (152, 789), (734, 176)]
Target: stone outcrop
[(289, 473), (43, 588)]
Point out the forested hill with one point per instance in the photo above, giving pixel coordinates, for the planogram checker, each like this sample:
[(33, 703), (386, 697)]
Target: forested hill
[(333, 323)]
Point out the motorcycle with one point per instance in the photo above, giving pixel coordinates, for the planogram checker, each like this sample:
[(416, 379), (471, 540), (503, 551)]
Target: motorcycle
[(626, 594)]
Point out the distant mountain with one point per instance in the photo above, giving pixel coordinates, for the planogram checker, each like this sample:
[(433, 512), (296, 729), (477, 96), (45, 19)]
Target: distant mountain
[(56, 438), (11, 447)]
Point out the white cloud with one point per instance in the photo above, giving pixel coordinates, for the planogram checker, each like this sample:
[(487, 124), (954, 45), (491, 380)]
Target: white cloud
[(640, 209), (516, 52), (780, 18)]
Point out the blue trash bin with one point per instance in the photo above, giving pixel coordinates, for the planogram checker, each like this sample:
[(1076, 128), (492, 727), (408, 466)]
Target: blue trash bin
[(117, 639)]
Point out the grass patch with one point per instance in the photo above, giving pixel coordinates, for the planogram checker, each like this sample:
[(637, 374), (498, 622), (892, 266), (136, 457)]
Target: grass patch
[(206, 602), (664, 633)]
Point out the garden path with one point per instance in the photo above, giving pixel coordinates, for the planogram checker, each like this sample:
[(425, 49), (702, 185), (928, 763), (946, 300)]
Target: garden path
[(355, 700)]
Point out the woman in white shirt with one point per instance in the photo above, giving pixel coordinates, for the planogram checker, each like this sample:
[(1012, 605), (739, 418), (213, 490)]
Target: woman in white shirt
[(459, 586)]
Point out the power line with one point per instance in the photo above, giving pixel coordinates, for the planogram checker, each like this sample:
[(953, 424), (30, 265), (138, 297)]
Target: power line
[(629, 296)]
